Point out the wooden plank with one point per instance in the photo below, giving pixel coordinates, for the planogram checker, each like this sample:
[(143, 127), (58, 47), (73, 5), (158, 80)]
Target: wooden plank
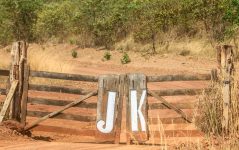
[(87, 105), (88, 132), (41, 114), (66, 123), (3, 92), (4, 72), (25, 94), (169, 113), (173, 133), (91, 125), (155, 121), (61, 110), (62, 130), (63, 76), (16, 98), (8, 100), (170, 106), (12, 72), (173, 120), (17, 104), (136, 126), (108, 108), (60, 103), (180, 77), (14, 75), (173, 92), (58, 89), (214, 75), (120, 108), (153, 106), (73, 110)]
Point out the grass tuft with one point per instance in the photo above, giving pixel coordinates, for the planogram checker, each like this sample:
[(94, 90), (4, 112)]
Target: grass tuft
[(210, 110)]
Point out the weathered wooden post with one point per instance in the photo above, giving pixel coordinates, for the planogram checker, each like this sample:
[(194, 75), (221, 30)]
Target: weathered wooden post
[(15, 52), (109, 109), (25, 94), (137, 108), (24, 70), (225, 60), (17, 68)]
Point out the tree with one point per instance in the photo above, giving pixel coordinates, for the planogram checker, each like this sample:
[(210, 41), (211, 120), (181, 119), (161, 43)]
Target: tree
[(154, 16), (55, 20), (105, 19), (20, 17)]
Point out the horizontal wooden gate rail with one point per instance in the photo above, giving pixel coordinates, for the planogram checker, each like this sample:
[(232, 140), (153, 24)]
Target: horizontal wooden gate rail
[(180, 77), (36, 104), (64, 76), (4, 74), (4, 77), (87, 78), (61, 89)]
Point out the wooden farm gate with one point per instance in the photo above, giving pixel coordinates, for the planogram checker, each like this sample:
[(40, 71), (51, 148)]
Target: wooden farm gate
[(170, 111), (75, 104)]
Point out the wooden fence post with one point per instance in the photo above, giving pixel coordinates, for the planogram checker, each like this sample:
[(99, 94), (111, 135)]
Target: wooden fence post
[(225, 64), (25, 94), (13, 74), (19, 55), (120, 107)]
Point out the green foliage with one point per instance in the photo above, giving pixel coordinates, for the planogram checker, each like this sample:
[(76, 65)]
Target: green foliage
[(74, 54), (105, 19), (232, 16), (125, 59), (105, 22), (18, 18), (107, 56), (154, 17), (55, 20)]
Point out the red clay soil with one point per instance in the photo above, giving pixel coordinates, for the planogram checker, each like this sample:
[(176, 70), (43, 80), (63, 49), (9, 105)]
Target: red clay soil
[(11, 132)]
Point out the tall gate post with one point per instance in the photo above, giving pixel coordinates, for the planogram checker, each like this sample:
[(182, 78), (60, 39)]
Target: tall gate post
[(225, 60), (17, 69)]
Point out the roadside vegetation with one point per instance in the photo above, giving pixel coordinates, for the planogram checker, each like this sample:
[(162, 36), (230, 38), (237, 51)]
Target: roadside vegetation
[(211, 111), (149, 27)]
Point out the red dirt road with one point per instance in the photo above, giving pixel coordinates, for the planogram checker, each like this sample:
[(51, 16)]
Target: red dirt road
[(75, 146)]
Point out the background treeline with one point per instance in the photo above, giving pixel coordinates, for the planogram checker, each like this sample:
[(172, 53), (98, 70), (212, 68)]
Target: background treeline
[(90, 23)]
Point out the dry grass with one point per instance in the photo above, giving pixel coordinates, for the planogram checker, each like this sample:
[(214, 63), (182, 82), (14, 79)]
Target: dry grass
[(5, 57), (49, 59), (196, 47), (210, 108), (210, 116), (211, 111)]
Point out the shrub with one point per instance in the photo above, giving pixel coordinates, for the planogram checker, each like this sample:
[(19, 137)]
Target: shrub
[(184, 52), (55, 20), (74, 54), (107, 56), (125, 59)]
